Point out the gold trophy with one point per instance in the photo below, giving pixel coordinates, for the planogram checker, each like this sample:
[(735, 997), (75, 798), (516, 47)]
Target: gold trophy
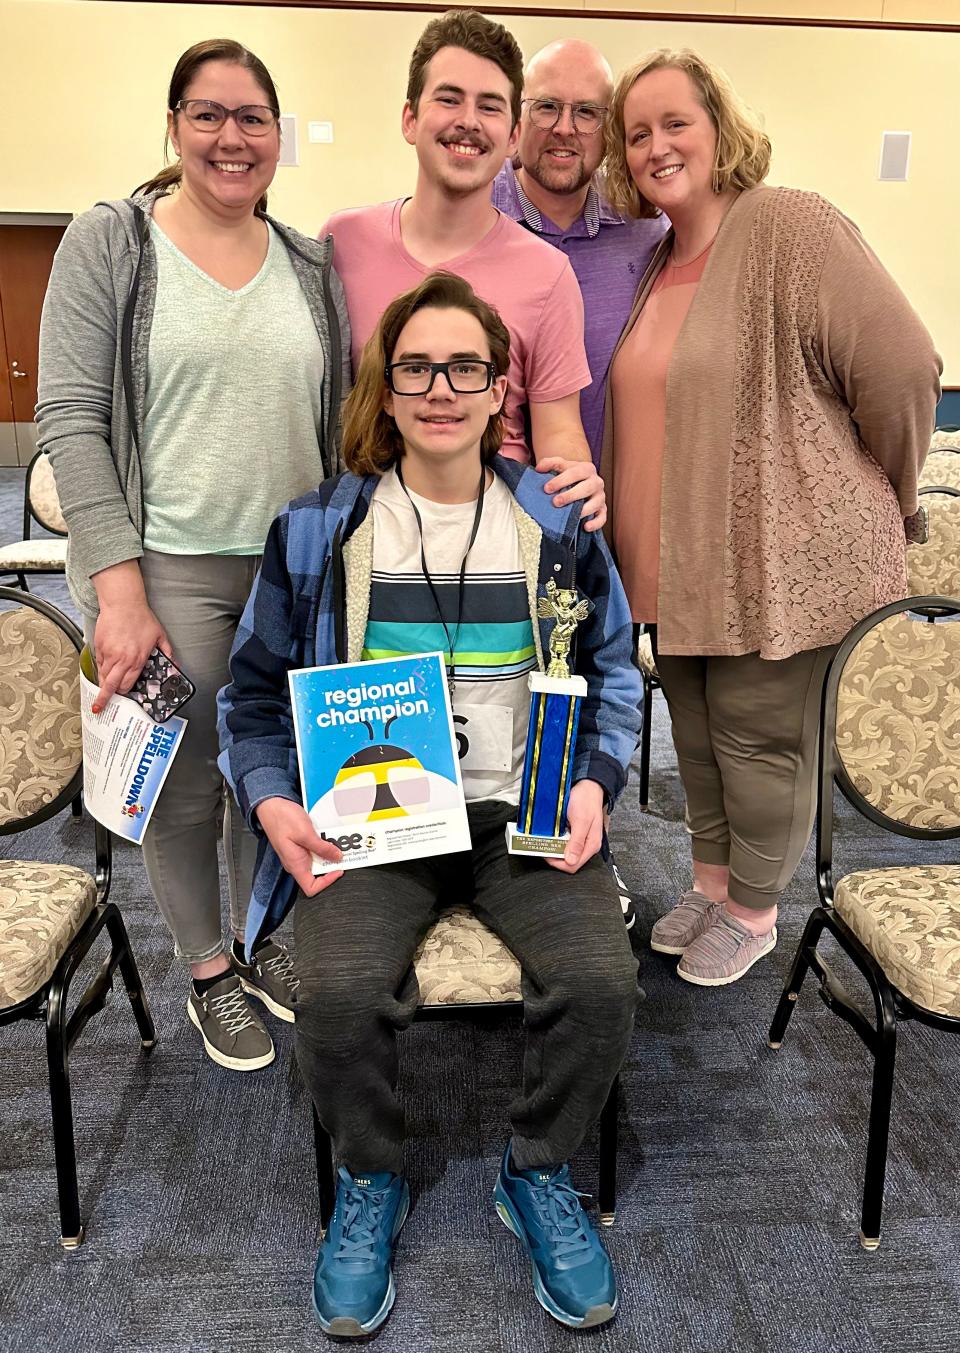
[(541, 826)]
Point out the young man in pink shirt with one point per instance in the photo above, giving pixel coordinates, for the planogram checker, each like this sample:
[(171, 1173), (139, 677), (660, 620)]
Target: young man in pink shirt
[(462, 113)]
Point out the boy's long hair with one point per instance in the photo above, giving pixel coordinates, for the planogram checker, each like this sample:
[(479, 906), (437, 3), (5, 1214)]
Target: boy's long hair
[(371, 441)]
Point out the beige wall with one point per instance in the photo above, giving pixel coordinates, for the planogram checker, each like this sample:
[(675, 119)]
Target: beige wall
[(89, 82)]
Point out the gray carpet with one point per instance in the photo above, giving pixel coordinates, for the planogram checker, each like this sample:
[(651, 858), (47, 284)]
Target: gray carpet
[(740, 1168)]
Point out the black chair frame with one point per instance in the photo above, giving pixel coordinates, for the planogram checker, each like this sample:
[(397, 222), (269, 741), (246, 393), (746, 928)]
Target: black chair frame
[(891, 1006), (607, 1173), (50, 1002), (29, 516)]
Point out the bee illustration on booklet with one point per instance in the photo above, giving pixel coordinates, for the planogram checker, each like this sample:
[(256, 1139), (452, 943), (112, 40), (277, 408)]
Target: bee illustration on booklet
[(381, 781)]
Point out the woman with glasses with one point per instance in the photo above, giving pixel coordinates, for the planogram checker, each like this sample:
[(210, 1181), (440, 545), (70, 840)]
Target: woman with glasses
[(772, 401), (193, 357)]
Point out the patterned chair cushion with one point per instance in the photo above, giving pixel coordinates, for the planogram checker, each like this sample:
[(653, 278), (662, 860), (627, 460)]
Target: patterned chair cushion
[(45, 553), (909, 919), (933, 569), (943, 437), (44, 499), (898, 721), (942, 467), (645, 655), (42, 906), (460, 961), (40, 745)]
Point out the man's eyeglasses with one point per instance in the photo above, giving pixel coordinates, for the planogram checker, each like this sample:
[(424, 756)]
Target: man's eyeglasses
[(253, 119), (464, 376), (546, 113)]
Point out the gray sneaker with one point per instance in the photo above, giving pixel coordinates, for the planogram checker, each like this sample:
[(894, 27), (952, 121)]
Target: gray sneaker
[(724, 953), (270, 977), (692, 915), (232, 1034)]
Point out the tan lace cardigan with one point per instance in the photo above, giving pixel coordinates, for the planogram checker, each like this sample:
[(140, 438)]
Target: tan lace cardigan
[(800, 405)]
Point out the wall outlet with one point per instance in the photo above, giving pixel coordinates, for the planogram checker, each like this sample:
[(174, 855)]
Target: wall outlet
[(321, 133), (894, 157)]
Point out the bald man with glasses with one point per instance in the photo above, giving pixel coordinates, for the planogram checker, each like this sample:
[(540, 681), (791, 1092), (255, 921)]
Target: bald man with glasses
[(550, 188)]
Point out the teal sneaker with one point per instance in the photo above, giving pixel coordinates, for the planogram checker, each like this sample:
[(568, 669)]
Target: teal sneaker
[(572, 1274), (353, 1289)]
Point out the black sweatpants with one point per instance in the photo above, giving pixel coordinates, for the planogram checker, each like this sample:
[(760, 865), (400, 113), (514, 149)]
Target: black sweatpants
[(354, 947)]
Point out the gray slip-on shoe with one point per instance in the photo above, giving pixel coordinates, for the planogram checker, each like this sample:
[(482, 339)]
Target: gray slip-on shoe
[(724, 953), (692, 915)]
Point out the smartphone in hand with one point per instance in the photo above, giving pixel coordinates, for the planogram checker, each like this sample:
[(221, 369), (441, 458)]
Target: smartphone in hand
[(161, 689), (917, 527)]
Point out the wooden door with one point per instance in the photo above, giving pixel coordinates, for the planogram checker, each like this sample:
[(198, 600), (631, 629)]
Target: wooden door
[(26, 256)]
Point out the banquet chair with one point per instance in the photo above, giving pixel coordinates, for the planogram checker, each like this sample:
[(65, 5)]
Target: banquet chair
[(890, 742), (37, 554), (933, 567), (51, 914), (942, 467), (945, 435)]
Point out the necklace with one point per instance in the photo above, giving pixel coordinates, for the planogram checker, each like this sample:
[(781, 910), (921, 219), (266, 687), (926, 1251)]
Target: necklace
[(673, 261), (451, 642)]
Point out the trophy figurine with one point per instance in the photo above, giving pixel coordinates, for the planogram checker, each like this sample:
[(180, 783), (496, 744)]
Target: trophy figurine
[(541, 826)]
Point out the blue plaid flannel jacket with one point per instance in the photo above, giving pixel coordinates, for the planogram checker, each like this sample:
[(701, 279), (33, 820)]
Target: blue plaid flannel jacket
[(296, 617)]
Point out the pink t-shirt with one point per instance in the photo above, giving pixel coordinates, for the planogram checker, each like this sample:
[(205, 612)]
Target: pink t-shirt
[(530, 284)]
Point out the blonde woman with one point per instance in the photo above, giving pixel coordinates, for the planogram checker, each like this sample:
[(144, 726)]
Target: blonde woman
[(772, 398)]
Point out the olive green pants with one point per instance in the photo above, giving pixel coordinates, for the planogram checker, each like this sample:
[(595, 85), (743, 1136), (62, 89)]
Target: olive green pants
[(745, 731)]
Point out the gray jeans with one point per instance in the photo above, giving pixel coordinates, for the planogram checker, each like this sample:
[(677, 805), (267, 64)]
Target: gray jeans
[(745, 732), (355, 943), (198, 599)]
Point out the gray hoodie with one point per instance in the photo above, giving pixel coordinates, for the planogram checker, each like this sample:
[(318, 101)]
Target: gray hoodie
[(94, 337)]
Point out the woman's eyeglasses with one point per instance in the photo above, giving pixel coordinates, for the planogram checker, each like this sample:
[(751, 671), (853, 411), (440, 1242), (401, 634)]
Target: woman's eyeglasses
[(253, 119)]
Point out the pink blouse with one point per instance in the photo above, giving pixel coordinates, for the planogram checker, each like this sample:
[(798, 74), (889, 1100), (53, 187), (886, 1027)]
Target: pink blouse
[(639, 388)]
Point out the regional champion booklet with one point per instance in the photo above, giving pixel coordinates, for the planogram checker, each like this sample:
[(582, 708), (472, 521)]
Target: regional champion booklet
[(379, 770)]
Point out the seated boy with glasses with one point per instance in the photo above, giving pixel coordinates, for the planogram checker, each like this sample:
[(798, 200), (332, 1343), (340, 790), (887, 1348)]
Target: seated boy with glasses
[(432, 541)]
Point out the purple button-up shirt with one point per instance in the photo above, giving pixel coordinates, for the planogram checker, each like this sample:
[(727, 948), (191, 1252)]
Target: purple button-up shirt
[(609, 254)]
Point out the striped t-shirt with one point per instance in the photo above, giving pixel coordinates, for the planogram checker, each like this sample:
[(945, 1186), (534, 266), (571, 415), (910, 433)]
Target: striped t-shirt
[(494, 648)]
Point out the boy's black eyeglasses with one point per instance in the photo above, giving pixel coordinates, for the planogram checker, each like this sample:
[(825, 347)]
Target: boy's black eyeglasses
[(465, 376)]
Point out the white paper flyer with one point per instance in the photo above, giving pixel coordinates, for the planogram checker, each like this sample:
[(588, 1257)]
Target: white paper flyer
[(126, 757)]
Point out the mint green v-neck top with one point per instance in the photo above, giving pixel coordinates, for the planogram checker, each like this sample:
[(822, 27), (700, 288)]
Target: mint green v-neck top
[(233, 404)]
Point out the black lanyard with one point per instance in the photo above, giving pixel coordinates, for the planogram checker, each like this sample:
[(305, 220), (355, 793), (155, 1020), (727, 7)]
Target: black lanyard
[(451, 643)]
